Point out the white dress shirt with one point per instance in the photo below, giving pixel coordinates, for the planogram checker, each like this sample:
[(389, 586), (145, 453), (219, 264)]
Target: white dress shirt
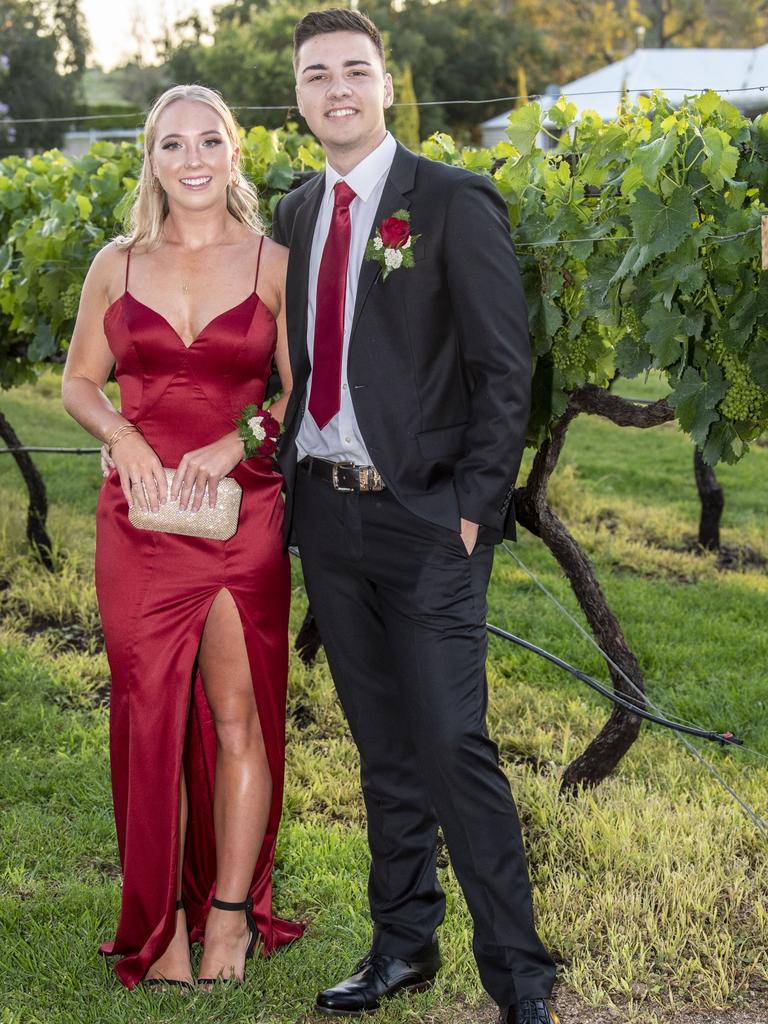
[(340, 439)]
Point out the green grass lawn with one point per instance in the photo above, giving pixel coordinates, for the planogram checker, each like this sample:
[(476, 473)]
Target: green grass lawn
[(650, 890)]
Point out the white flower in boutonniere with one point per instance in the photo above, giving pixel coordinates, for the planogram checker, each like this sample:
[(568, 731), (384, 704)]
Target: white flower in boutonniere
[(257, 428), (391, 245), (393, 258)]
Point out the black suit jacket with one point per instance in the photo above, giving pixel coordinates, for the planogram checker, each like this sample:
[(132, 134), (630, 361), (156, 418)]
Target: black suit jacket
[(439, 359)]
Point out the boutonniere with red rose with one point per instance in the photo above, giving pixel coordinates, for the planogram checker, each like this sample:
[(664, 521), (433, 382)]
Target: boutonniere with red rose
[(392, 245)]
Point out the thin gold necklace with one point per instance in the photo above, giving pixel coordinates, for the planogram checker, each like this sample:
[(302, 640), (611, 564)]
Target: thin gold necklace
[(185, 284)]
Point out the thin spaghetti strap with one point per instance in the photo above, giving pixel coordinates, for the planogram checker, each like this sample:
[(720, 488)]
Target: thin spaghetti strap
[(127, 267), (258, 263)]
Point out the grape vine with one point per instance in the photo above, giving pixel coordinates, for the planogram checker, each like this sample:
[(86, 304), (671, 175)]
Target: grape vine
[(638, 243)]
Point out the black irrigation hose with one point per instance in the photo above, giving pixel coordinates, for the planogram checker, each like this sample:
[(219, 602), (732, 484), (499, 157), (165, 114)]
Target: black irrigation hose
[(723, 738)]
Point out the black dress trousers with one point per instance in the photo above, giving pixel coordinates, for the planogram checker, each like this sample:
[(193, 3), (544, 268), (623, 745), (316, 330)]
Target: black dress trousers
[(401, 608)]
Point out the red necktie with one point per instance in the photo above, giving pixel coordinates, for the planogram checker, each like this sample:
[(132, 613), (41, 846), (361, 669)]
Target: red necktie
[(325, 395)]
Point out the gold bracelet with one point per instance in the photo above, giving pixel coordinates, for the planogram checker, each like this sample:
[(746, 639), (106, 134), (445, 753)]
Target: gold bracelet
[(126, 428)]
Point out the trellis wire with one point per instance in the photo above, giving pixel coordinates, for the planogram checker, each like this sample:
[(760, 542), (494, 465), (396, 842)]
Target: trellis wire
[(420, 103)]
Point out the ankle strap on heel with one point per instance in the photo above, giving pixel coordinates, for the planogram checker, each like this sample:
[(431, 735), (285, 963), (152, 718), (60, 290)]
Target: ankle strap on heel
[(223, 905)]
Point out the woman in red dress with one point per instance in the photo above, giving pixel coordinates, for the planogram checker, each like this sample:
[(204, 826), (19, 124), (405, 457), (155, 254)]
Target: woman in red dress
[(189, 309)]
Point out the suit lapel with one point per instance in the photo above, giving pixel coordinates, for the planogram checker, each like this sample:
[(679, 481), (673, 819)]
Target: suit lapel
[(400, 181), (298, 274)]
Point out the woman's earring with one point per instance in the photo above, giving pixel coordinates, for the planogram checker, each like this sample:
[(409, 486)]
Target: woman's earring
[(235, 178)]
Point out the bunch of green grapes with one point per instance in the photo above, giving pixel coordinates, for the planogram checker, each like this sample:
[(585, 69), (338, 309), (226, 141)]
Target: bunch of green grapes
[(70, 300), (743, 400), (631, 323), (569, 354)]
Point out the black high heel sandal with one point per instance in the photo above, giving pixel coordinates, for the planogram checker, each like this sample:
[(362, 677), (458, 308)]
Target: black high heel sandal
[(247, 907), (162, 984)]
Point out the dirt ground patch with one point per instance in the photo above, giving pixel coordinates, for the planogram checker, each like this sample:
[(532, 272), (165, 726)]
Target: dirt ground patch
[(572, 1010)]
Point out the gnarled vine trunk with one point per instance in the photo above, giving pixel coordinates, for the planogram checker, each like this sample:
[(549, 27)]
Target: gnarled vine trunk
[(621, 730), (712, 502), (37, 514)]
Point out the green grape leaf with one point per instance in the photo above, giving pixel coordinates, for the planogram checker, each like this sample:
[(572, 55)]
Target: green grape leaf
[(664, 334), (722, 443), (631, 180), (629, 261), (280, 174), (84, 205), (722, 157), (707, 103), (741, 322), (683, 272), (650, 159), (551, 317), (514, 176), (694, 400), (42, 345), (563, 113), (632, 356), (660, 227), (524, 125), (310, 159), (477, 160), (757, 360)]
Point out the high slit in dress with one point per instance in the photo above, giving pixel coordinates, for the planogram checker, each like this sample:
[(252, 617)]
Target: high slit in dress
[(155, 591)]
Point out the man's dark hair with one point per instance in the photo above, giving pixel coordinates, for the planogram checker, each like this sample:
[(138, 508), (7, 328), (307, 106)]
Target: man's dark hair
[(335, 19)]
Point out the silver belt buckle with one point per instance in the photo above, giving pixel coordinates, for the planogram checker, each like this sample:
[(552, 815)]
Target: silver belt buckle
[(335, 477)]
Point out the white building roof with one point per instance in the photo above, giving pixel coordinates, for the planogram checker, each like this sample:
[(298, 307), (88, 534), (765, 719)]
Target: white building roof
[(677, 72)]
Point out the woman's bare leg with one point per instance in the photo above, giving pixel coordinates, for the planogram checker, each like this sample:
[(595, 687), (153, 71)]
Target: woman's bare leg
[(174, 962), (243, 793)]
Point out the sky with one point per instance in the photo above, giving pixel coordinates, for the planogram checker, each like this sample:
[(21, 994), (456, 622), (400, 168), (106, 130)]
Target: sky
[(115, 27)]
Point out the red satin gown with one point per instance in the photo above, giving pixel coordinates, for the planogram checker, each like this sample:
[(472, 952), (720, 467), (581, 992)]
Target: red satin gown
[(155, 591)]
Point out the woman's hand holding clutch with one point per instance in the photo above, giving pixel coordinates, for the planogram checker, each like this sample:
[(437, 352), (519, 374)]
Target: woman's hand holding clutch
[(204, 468), (141, 472)]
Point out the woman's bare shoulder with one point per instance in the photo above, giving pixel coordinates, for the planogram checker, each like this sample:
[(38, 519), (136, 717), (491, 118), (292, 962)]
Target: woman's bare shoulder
[(109, 257), (275, 251), (107, 270)]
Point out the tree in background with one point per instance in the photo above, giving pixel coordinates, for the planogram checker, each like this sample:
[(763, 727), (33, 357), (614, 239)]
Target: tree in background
[(705, 23), (584, 35), (463, 49), (250, 61), (456, 49), (44, 43), (403, 117)]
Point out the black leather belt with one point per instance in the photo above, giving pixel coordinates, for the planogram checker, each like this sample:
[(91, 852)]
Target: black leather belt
[(344, 476)]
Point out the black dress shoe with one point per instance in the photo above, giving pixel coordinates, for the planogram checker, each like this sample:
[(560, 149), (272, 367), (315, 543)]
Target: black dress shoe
[(376, 977), (529, 1011)]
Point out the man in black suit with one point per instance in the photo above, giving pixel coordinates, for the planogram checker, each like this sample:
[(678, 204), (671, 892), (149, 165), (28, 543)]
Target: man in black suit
[(404, 434)]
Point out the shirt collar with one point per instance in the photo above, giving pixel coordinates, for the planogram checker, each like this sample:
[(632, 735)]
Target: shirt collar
[(364, 178)]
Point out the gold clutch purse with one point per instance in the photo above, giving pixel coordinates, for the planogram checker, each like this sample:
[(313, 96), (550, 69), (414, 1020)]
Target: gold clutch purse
[(217, 523)]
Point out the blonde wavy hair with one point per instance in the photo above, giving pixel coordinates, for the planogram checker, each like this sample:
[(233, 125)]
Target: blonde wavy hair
[(150, 206)]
